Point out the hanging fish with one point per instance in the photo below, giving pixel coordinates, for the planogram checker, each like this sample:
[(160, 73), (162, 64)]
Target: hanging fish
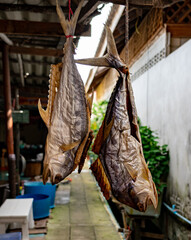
[(121, 169), (67, 116)]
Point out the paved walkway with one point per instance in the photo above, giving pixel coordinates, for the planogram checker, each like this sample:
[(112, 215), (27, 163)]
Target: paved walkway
[(80, 213)]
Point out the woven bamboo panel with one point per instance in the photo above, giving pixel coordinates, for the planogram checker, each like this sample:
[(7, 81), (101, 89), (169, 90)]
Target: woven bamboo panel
[(149, 27), (179, 13)]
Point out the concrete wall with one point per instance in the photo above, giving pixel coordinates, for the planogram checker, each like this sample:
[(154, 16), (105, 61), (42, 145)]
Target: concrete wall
[(162, 96), (163, 100)]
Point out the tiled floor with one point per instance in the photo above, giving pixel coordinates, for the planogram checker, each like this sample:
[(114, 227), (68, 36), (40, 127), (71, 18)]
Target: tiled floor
[(80, 213)]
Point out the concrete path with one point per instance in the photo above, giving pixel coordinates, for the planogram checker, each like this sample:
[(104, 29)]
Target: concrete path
[(80, 213)]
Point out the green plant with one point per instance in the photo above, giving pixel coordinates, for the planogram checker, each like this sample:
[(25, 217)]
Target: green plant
[(156, 155), (98, 113)]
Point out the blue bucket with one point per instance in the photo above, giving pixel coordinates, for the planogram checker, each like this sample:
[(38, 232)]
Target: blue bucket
[(39, 187), (11, 236), (41, 204)]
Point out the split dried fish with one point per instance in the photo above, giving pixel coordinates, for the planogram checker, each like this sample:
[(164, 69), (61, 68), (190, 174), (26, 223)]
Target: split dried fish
[(121, 169), (67, 115)]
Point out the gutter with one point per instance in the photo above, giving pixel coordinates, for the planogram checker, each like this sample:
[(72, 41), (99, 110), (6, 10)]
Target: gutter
[(177, 215)]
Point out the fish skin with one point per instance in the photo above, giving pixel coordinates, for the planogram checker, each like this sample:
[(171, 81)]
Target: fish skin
[(67, 119), (118, 142), (121, 153)]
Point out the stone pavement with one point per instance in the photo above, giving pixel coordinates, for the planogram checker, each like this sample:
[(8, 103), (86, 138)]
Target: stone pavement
[(80, 213)]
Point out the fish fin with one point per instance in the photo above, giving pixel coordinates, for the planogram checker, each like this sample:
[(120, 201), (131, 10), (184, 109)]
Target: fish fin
[(67, 147), (97, 61), (43, 113), (102, 135), (107, 129), (46, 173), (68, 26), (86, 148), (99, 173), (99, 140), (132, 172), (82, 145), (55, 74)]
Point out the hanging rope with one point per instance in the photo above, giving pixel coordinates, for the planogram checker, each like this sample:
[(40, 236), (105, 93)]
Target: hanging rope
[(127, 31), (70, 9), (70, 12)]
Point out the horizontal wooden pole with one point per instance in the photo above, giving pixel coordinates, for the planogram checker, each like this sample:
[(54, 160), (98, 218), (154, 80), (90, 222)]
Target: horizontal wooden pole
[(32, 61), (179, 30), (148, 3), (36, 51), (39, 28), (30, 8)]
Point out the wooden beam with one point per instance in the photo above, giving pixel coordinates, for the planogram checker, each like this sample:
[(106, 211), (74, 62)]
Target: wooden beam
[(148, 3), (31, 76), (152, 235), (6, 39), (36, 51), (14, 60), (179, 30), (30, 8), (19, 57), (9, 121), (89, 8), (39, 28)]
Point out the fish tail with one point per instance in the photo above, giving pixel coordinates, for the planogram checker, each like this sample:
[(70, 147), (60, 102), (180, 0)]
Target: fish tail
[(68, 26), (101, 178)]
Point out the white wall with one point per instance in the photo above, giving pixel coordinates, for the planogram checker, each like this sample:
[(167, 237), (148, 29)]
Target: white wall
[(163, 100)]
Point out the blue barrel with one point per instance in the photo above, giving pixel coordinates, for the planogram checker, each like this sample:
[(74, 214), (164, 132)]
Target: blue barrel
[(39, 187), (41, 204), (11, 236)]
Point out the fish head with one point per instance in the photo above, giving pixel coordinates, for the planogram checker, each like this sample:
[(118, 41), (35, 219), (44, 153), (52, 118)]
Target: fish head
[(142, 196), (57, 164), (145, 191)]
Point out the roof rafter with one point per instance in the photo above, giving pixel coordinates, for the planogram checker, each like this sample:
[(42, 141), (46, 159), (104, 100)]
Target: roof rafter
[(39, 28), (148, 3), (36, 51), (89, 8), (30, 8)]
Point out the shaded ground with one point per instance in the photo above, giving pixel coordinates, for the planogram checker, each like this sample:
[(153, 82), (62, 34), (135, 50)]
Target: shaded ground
[(80, 212)]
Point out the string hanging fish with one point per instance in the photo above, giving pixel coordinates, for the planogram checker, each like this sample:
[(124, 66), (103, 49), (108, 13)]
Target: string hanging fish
[(67, 115), (121, 169)]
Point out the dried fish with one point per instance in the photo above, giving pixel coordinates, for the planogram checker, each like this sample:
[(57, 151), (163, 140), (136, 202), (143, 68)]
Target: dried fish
[(67, 116), (121, 168)]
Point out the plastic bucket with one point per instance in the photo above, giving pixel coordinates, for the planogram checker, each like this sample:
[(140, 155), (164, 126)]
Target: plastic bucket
[(11, 236), (41, 204), (40, 188)]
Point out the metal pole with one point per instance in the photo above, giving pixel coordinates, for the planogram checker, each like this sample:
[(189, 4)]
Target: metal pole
[(9, 121)]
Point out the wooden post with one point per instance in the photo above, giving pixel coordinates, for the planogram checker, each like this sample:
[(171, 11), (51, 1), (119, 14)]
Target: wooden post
[(9, 121), (17, 125)]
